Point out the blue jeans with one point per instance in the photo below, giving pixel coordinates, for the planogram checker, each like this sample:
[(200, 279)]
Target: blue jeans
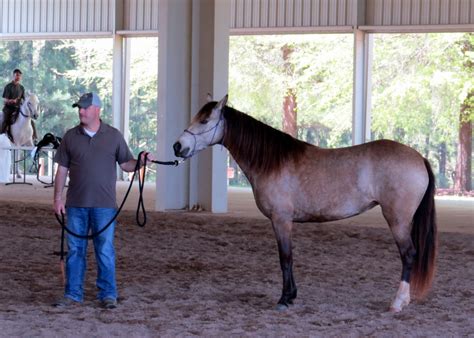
[(80, 220)]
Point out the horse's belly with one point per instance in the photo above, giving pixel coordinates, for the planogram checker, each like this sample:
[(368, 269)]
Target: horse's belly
[(333, 212)]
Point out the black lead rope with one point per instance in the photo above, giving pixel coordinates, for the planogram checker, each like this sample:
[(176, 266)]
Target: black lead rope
[(175, 162), (140, 207)]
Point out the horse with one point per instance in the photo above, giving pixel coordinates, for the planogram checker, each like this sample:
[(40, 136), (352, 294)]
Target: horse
[(294, 181), (21, 130)]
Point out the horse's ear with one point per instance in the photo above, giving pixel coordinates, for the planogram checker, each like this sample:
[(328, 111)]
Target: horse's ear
[(208, 97), (28, 93), (222, 102)]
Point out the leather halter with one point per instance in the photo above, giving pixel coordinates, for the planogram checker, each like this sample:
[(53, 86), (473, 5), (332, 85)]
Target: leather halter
[(214, 128)]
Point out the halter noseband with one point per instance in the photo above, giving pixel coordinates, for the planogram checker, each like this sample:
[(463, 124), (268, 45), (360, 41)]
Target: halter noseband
[(221, 118)]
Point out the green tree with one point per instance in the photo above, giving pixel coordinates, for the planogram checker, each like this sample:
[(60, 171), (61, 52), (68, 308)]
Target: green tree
[(463, 173), (143, 93), (418, 81), (55, 90), (92, 70), (320, 78)]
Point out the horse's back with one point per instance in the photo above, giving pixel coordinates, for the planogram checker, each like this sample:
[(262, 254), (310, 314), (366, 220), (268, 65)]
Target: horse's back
[(381, 159)]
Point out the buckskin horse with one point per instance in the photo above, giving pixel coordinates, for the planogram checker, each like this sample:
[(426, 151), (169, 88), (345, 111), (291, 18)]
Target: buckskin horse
[(294, 181)]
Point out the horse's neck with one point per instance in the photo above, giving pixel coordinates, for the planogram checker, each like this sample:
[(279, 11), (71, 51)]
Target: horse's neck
[(242, 161), (22, 117), (259, 149), (21, 129)]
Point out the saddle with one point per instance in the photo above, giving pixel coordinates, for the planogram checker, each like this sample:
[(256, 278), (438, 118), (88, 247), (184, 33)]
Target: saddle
[(49, 139)]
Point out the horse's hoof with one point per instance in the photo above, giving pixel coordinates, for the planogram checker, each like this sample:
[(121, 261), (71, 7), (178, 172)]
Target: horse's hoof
[(395, 309), (281, 307)]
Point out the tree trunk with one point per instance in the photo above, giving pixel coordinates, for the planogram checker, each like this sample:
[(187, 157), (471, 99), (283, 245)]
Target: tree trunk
[(442, 152), (462, 178), (427, 146), (290, 125), (289, 114)]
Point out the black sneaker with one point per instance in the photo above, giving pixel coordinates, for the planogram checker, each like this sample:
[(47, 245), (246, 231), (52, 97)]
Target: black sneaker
[(65, 302), (109, 303)]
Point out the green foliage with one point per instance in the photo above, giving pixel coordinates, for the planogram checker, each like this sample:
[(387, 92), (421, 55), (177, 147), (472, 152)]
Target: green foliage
[(319, 69), (92, 70), (419, 83), (143, 94)]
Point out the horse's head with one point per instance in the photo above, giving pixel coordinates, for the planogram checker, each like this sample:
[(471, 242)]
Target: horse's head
[(30, 106), (206, 129)]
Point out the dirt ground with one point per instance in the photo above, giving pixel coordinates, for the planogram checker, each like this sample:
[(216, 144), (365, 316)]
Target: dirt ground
[(198, 274)]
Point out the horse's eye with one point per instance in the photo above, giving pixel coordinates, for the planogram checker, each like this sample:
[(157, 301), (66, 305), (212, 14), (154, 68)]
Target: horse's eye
[(204, 121)]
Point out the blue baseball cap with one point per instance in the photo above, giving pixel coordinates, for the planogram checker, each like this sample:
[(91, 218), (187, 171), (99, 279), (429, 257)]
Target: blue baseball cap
[(88, 99)]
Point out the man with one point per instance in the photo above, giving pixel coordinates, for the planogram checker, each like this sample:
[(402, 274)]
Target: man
[(89, 152), (13, 95)]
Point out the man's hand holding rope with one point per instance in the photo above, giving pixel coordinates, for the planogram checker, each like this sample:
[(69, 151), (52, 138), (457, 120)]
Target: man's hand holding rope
[(130, 166)]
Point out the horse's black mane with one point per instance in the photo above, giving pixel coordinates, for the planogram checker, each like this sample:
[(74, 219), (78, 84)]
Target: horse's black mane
[(264, 149)]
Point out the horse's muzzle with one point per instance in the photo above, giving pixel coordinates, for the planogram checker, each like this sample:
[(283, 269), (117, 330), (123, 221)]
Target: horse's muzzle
[(178, 151)]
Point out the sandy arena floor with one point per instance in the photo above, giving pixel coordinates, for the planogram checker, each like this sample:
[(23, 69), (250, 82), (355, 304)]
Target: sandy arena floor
[(198, 274)]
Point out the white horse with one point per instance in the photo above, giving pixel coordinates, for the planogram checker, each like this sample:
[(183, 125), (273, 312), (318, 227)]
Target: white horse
[(21, 130)]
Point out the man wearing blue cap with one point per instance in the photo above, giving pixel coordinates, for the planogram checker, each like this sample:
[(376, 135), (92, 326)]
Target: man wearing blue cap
[(89, 152)]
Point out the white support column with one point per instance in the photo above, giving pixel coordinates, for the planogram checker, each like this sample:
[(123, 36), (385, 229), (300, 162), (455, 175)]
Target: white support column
[(121, 86), (117, 79), (174, 76), (193, 61), (120, 72), (222, 11), (210, 62), (363, 45), (126, 89)]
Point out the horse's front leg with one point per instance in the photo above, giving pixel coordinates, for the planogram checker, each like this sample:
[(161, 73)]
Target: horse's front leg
[(282, 230), (16, 165)]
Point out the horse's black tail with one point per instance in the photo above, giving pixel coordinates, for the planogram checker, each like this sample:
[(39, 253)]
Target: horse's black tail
[(424, 237)]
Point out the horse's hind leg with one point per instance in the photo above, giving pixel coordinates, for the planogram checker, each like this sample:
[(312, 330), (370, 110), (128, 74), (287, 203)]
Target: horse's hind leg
[(407, 254), (400, 225), (283, 235)]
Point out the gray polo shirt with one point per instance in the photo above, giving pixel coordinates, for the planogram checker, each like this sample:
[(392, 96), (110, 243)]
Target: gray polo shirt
[(92, 165)]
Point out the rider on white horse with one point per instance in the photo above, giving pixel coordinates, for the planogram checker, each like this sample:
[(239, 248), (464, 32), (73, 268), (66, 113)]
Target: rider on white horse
[(13, 96)]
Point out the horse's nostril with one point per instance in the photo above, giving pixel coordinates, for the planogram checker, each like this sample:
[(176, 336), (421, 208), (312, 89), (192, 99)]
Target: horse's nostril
[(177, 148)]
